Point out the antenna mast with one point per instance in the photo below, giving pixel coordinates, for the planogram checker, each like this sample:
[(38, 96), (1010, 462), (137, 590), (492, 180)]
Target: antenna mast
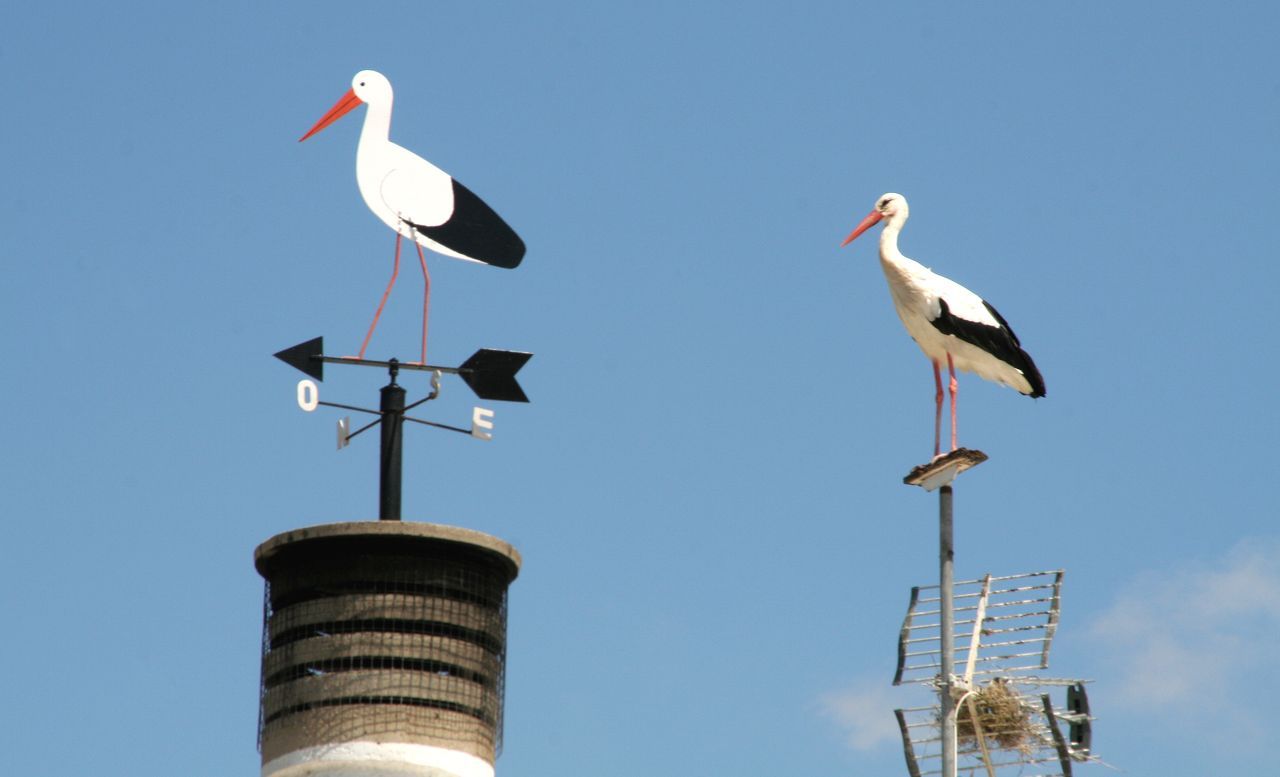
[(939, 474), (1009, 623)]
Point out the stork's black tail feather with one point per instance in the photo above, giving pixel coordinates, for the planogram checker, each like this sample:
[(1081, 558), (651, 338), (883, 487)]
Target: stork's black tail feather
[(999, 341)]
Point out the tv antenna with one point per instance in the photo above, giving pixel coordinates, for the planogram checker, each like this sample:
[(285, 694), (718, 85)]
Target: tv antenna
[(491, 374), (992, 717)]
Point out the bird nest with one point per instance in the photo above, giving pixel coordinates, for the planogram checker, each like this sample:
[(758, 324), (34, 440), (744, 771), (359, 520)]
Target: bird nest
[(1002, 717)]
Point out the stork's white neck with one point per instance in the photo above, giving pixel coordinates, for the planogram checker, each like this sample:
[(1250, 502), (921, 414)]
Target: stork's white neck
[(377, 122), (901, 271), (889, 241)]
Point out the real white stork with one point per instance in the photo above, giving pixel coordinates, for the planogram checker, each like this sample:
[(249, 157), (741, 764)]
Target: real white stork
[(948, 322), (415, 198)]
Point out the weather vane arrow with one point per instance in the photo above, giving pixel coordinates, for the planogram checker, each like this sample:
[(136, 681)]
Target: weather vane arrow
[(490, 373)]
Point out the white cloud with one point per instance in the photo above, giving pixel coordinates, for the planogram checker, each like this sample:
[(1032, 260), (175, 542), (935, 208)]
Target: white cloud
[(1193, 642), (865, 713)]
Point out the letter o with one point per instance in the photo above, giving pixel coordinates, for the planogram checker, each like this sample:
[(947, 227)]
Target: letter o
[(308, 395)]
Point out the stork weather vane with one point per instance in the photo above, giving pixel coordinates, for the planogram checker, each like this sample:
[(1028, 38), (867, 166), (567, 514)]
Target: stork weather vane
[(421, 202)]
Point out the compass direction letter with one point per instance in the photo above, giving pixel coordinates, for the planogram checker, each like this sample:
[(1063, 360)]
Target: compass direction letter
[(481, 422), (308, 395)]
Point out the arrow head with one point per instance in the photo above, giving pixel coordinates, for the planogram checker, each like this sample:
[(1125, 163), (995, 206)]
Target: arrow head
[(492, 374), (303, 357)]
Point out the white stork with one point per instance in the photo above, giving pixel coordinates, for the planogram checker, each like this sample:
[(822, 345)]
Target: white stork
[(415, 198), (948, 322)]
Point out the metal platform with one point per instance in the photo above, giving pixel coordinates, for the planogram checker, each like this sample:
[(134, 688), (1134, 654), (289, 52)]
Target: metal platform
[(944, 469)]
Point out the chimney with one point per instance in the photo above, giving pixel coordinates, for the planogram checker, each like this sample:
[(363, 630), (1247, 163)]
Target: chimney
[(383, 650)]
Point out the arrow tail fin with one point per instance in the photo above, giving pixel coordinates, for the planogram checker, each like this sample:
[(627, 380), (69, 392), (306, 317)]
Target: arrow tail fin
[(492, 374)]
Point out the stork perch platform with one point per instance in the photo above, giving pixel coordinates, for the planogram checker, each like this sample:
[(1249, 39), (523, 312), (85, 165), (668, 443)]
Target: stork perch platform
[(944, 469)]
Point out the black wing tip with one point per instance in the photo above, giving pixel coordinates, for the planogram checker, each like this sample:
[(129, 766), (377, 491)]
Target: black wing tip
[(1032, 374), (477, 232), (504, 250), (511, 258)]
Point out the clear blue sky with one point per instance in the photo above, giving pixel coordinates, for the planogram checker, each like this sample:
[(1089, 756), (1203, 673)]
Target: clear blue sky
[(706, 488)]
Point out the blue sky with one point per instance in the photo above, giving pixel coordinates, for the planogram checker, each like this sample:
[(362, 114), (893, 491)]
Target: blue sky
[(706, 488)]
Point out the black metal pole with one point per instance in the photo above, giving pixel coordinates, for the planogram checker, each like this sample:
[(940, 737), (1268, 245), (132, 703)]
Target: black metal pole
[(392, 443)]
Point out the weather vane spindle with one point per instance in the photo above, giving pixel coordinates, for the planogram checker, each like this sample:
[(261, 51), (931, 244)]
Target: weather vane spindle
[(390, 462)]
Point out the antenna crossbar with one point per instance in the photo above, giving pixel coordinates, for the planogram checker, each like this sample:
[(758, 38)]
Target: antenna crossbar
[(999, 671), (1009, 643), (988, 619), (992, 605), (986, 633), (1017, 615), (978, 595), (995, 579)]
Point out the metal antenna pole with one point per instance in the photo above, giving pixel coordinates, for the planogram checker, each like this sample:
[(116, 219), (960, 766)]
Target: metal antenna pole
[(938, 474), (946, 558), (392, 444)]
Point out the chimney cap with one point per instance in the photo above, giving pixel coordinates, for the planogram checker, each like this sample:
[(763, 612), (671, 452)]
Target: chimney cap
[(408, 531)]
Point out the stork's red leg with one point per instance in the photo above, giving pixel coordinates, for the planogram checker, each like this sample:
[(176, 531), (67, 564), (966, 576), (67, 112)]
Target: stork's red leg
[(955, 390), (426, 299), (395, 270), (937, 415)]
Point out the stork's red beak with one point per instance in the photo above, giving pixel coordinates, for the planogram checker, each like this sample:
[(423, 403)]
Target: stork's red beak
[(339, 109), (871, 220)]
